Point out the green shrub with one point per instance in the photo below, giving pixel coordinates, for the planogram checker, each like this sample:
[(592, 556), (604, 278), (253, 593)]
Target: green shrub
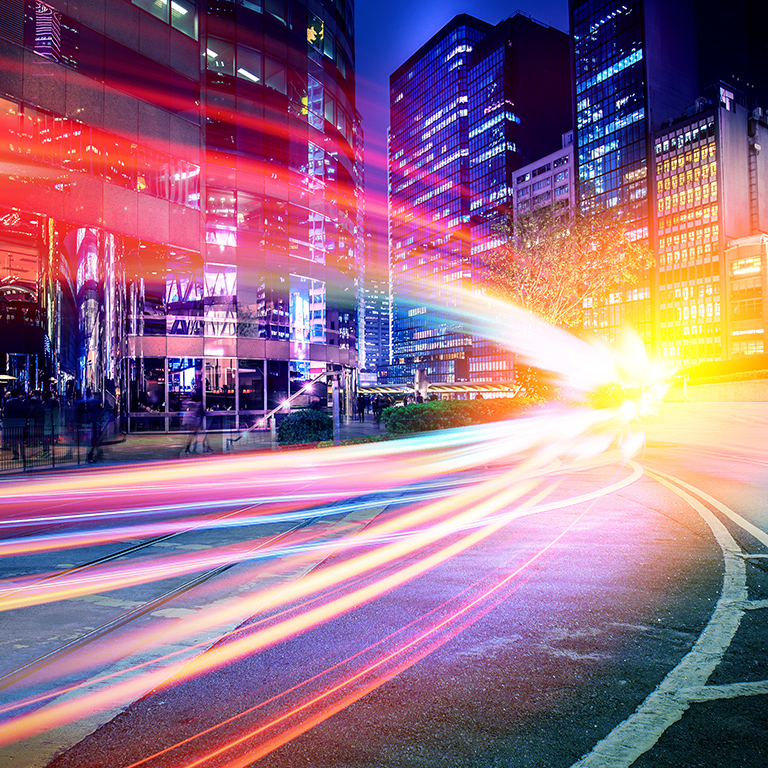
[(305, 426), (445, 414)]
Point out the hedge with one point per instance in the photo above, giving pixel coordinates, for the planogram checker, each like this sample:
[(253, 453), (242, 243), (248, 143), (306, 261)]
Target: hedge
[(445, 414), (305, 426)]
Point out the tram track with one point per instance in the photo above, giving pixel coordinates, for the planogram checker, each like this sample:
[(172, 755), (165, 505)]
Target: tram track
[(8, 679), (430, 491)]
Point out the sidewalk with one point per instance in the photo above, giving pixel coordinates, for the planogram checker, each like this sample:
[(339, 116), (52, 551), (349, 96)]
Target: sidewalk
[(160, 446)]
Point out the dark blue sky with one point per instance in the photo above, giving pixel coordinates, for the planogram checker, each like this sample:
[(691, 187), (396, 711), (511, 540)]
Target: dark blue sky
[(388, 32)]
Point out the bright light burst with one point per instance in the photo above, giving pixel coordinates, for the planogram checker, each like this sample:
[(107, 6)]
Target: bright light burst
[(438, 506)]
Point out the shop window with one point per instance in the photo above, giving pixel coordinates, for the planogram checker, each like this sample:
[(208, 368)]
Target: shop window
[(277, 383), (251, 385), (185, 387), (220, 384), (300, 374), (147, 385)]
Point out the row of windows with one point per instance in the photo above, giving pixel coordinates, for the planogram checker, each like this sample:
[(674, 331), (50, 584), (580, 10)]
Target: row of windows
[(704, 252), (284, 226), (696, 196), (688, 217), (703, 154), (181, 14), (61, 39), (311, 99), (687, 178), (195, 299), (61, 142), (159, 385), (682, 138), (294, 15), (704, 288), (689, 237)]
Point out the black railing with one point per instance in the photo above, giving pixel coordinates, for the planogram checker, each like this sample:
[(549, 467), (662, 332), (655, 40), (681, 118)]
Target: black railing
[(31, 447)]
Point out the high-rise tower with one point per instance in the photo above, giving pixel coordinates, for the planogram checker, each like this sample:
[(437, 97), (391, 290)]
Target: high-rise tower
[(470, 107)]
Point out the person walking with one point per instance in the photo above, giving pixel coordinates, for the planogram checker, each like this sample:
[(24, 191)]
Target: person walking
[(361, 407), (15, 414)]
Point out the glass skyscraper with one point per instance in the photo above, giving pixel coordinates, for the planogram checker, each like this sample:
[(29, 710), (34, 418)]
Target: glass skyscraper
[(472, 105), (429, 204), (180, 202)]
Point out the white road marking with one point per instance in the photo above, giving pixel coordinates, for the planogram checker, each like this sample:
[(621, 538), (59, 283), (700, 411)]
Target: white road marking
[(754, 605), (753, 530), (667, 704), (730, 691)]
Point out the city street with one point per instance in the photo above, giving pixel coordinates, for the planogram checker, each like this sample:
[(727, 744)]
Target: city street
[(540, 604)]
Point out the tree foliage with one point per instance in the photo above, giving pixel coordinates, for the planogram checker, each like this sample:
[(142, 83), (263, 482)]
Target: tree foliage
[(555, 266)]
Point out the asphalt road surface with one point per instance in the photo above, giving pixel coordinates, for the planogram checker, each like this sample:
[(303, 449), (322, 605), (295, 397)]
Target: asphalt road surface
[(571, 612)]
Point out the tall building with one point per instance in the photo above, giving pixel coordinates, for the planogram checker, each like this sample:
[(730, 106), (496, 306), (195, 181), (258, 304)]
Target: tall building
[(639, 67), (547, 182), (711, 193), (634, 68), (179, 207), (429, 204), (470, 107), (374, 339)]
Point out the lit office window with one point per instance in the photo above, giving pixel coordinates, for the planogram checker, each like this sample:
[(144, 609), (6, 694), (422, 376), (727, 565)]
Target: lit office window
[(249, 65), (184, 17), (220, 56), (157, 8)]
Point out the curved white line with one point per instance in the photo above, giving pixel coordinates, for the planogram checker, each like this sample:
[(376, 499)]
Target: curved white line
[(667, 704)]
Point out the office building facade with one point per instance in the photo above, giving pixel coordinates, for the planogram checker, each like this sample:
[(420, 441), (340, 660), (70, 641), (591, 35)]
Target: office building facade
[(640, 68), (711, 194), (180, 201), (429, 204), (375, 314), (469, 108)]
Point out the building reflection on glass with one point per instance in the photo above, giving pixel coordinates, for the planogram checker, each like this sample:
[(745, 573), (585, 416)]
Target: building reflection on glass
[(176, 239)]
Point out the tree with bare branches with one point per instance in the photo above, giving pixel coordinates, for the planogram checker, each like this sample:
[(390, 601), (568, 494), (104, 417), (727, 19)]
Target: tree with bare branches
[(554, 265)]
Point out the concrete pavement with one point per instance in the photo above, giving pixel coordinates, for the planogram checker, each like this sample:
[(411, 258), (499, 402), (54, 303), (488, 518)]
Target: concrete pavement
[(159, 446)]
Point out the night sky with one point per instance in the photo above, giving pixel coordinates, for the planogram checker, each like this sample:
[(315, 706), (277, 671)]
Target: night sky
[(387, 33)]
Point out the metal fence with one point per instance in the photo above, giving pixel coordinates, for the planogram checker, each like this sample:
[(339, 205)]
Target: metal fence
[(29, 448)]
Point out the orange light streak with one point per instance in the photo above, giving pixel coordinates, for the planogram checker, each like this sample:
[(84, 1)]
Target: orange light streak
[(496, 497)]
